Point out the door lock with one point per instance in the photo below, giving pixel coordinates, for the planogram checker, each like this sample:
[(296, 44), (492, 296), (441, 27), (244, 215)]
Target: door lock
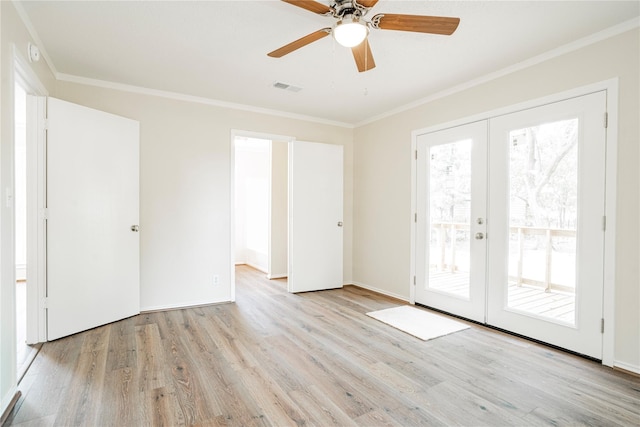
[(135, 228), (479, 236)]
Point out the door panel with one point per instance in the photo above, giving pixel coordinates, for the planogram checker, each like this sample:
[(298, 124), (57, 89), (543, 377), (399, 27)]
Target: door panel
[(92, 202), (315, 216), (451, 249), (539, 270), (547, 181)]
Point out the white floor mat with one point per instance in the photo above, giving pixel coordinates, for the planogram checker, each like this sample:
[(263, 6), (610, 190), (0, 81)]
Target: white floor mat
[(417, 322)]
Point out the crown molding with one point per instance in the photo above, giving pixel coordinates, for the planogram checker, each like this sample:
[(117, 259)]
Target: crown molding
[(195, 99), (554, 53)]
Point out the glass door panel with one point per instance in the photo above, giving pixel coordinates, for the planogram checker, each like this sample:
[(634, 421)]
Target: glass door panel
[(543, 217), (546, 237), (449, 217), (450, 245)]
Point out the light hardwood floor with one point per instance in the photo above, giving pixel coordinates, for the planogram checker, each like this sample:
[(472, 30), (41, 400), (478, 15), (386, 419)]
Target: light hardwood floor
[(274, 358)]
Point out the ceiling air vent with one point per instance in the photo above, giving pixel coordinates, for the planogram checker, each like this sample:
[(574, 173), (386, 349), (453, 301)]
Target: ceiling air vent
[(285, 86)]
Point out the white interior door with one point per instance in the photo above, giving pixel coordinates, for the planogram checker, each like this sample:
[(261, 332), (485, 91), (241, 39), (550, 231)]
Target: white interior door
[(315, 216), (92, 202), (546, 235), (451, 223)]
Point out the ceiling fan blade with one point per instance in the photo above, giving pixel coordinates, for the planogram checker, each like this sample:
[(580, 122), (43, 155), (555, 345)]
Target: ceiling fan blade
[(301, 42), (417, 23), (310, 5), (367, 3), (362, 55)]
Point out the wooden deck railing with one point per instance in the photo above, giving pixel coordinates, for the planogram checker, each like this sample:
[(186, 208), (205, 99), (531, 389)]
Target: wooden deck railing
[(521, 232)]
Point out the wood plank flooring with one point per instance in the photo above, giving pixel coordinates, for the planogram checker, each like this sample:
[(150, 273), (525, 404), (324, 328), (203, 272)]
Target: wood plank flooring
[(316, 359)]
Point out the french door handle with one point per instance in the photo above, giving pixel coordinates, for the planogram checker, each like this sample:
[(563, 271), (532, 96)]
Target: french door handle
[(479, 236)]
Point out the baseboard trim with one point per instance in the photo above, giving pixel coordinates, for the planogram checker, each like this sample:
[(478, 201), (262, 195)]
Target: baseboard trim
[(626, 367), (180, 306), (379, 291), (256, 267), (276, 276)]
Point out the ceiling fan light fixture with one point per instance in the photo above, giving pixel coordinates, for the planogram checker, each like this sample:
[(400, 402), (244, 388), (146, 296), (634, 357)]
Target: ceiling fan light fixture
[(350, 32)]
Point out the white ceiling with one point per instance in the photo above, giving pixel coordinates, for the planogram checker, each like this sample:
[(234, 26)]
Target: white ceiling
[(218, 49)]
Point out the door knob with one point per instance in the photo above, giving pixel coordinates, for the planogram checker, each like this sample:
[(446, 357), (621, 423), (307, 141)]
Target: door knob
[(339, 223), (135, 228), (479, 236)]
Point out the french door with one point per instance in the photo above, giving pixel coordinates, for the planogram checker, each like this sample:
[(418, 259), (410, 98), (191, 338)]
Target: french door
[(546, 247), (524, 249), (451, 223)]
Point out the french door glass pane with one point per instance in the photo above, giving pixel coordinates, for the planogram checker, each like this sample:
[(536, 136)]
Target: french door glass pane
[(449, 218), (543, 205)]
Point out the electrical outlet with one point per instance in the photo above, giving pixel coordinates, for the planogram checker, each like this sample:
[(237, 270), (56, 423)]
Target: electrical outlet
[(216, 279)]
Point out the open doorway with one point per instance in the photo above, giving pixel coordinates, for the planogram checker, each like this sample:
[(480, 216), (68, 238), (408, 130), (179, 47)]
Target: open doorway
[(24, 352), (261, 188)]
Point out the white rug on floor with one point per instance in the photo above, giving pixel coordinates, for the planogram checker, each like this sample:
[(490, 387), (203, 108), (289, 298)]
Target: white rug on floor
[(420, 323)]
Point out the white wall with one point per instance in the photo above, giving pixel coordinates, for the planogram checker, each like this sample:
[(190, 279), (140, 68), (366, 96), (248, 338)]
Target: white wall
[(12, 32), (382, 153), (278, 239), (252, 194), (185, 151)]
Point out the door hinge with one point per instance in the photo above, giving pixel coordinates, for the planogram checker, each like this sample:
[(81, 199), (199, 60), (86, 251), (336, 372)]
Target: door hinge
[(45, 302), (606, 120), (415, 217), (602, 326), (604, 223), (44, 213), (414, 280), (416, 154)]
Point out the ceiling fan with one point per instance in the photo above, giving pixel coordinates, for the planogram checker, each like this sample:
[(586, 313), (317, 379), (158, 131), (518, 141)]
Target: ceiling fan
[(351, 29)]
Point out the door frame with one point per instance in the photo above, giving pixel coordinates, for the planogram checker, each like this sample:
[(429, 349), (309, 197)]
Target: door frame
[(232, 195), (611, 87), (36, 184)]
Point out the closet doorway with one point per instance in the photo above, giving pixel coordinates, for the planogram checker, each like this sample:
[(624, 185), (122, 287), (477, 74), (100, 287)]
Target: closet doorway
[(261, 188)]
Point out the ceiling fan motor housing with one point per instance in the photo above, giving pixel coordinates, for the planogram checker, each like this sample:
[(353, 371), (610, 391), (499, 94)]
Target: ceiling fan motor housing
[(342, 9)]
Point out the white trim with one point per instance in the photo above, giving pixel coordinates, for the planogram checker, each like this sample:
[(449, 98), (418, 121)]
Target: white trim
[(611, 185), (257, 267), (554, 53), (611, 87), (607, 85), (232, 215), (414, 212), (277, 276), (191, 304), (379, 291), (8, 329), (627, 366), (195, 99), (37, 190), (24, 75)]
